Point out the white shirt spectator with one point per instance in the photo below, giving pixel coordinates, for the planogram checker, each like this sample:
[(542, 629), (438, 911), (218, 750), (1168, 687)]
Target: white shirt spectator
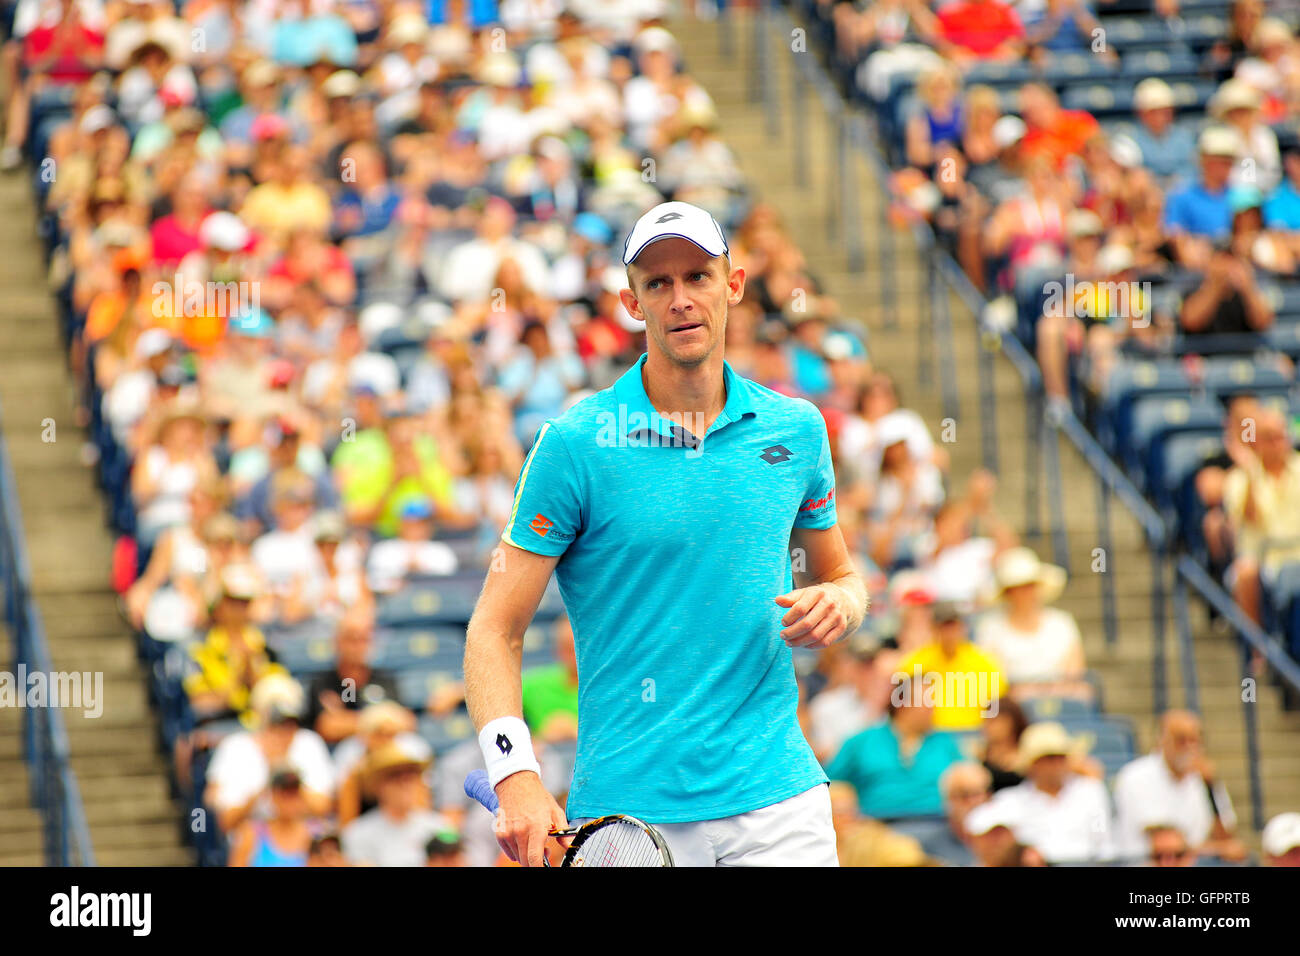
[(375, 839), (1040, 657), (1147, 793), (858, 439), (467, 273), (239, 769), (1073, 826), (285, 556), (393, 560), (963, 572)]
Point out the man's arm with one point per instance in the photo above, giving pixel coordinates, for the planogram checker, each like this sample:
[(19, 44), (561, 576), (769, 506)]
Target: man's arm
[(831, 599), (493, 654)]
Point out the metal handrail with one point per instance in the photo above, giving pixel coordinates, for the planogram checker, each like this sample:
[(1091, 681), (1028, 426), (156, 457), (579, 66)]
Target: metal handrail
[(1253, 638), (54, 789)]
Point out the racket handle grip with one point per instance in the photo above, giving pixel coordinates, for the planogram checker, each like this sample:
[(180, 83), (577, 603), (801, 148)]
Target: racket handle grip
[(478, 787)]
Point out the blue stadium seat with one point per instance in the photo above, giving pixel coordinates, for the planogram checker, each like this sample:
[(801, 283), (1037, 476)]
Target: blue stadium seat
[(304, 657), (1110, 738), (415, 686), (1229, 376), (1165, 64), (1131, 380), (447, 600), (1157, 417), (445, 733), (1056, 708), (1282, 607), (435, 647)]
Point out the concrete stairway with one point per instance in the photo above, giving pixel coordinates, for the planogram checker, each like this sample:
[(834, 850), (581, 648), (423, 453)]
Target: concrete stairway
[(722, 65), (123, 781)]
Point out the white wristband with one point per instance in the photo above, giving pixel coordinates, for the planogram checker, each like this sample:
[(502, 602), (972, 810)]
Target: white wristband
[(507, 748)]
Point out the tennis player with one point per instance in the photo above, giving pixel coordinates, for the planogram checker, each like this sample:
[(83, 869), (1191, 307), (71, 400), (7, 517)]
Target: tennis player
[(667, 505)]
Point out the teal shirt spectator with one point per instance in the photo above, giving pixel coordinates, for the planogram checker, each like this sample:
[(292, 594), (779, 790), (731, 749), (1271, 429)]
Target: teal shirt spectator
[(1169, 155), (888, 785), (1282, 210)]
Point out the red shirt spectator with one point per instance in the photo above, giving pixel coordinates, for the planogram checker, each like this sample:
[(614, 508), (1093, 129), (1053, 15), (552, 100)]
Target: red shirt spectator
[(981, 27), (66, 53)]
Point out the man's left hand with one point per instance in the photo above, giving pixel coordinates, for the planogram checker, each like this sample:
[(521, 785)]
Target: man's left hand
[(818, 615)]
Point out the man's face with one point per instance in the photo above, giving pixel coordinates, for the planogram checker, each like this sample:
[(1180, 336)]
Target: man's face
[(1157, 120), (1169, 848), (682, 295), (1049, 772), (399, 788), (1181, 743), (354, 645), (1215, 170)]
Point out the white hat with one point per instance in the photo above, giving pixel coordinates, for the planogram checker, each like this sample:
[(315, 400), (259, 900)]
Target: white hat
[(1083, 222), (1282, 835), (277, 692), (1153, 93), (1019, 566), (152, 342), (1233, 95), (654, 38), (675, 220), (1046, 738), (987, 817), (1115, 258), (224, 231), (341, 83), (96, 118), (407, 28), (1220, 141), (241, 581), (1008, 131), (1271, 30), (1125, 151), (892, 428)]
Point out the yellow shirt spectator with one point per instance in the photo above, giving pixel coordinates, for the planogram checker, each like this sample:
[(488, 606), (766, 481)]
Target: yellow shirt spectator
[(966, 682)]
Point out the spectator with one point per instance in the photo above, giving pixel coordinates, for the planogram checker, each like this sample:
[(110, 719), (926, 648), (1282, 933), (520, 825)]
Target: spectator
[(232, 658), (1282, 208), (1039, 645), (853, 699), (972, 30), (398, 830), (285, 838), (286, 451), (1051, 131), (326, 851), (992, 840), (336, 697), (537, 379), (286, 556), (168, 469), (1175, 785), (1198, 214), (896, 764), (1166, 846), (906, 497), (445, 849), (1167, 149), (1236, 104), (966, 681), (965, 786), (380, 725), (1281, 840), (939, 119), (1228, 301), (411, 554), (1001, 744), (1063, 815), (1261, 499), (864, 842), (341, 587), (240, 770), (958, 564)]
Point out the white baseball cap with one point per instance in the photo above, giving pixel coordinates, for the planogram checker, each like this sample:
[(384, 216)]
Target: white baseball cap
[(1282, 834), (675, 220)]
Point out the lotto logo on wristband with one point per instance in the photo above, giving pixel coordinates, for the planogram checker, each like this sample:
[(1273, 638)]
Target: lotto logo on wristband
[(503, 744)]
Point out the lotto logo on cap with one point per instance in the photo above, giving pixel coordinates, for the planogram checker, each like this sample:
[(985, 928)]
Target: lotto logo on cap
[(675, 220)]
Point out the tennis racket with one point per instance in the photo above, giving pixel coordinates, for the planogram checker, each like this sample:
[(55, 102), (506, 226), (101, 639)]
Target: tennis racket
[(614, 840)]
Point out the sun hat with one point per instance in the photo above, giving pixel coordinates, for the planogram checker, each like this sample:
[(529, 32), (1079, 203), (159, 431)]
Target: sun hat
[(1020, 566), (1046, 739)]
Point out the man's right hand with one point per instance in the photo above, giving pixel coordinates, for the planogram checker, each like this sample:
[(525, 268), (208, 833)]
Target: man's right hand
[(528, 814)]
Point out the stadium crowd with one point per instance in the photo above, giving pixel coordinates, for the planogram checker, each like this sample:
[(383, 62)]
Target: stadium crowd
[(325, 269)]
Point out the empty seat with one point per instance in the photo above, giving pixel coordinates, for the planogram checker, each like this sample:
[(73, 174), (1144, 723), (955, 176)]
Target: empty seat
[(1056, 708), (445, 733), (441, 648)]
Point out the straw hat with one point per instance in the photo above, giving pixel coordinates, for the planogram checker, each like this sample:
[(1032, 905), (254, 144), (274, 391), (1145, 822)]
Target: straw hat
[(1019, 566), (390, 757), (1047, 739), (1233, 95)]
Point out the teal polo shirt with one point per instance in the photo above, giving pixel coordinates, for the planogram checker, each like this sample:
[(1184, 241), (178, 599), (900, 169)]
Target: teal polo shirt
[(671, 553), (889, 786)]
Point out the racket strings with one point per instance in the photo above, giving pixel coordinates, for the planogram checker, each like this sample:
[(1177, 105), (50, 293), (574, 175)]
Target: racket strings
[(621, 845)]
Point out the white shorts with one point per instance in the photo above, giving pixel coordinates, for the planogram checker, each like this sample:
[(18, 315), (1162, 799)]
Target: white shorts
[(795, 832)]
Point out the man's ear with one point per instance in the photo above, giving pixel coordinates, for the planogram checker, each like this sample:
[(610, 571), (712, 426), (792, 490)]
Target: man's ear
[(629, 300), (735, 286)]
